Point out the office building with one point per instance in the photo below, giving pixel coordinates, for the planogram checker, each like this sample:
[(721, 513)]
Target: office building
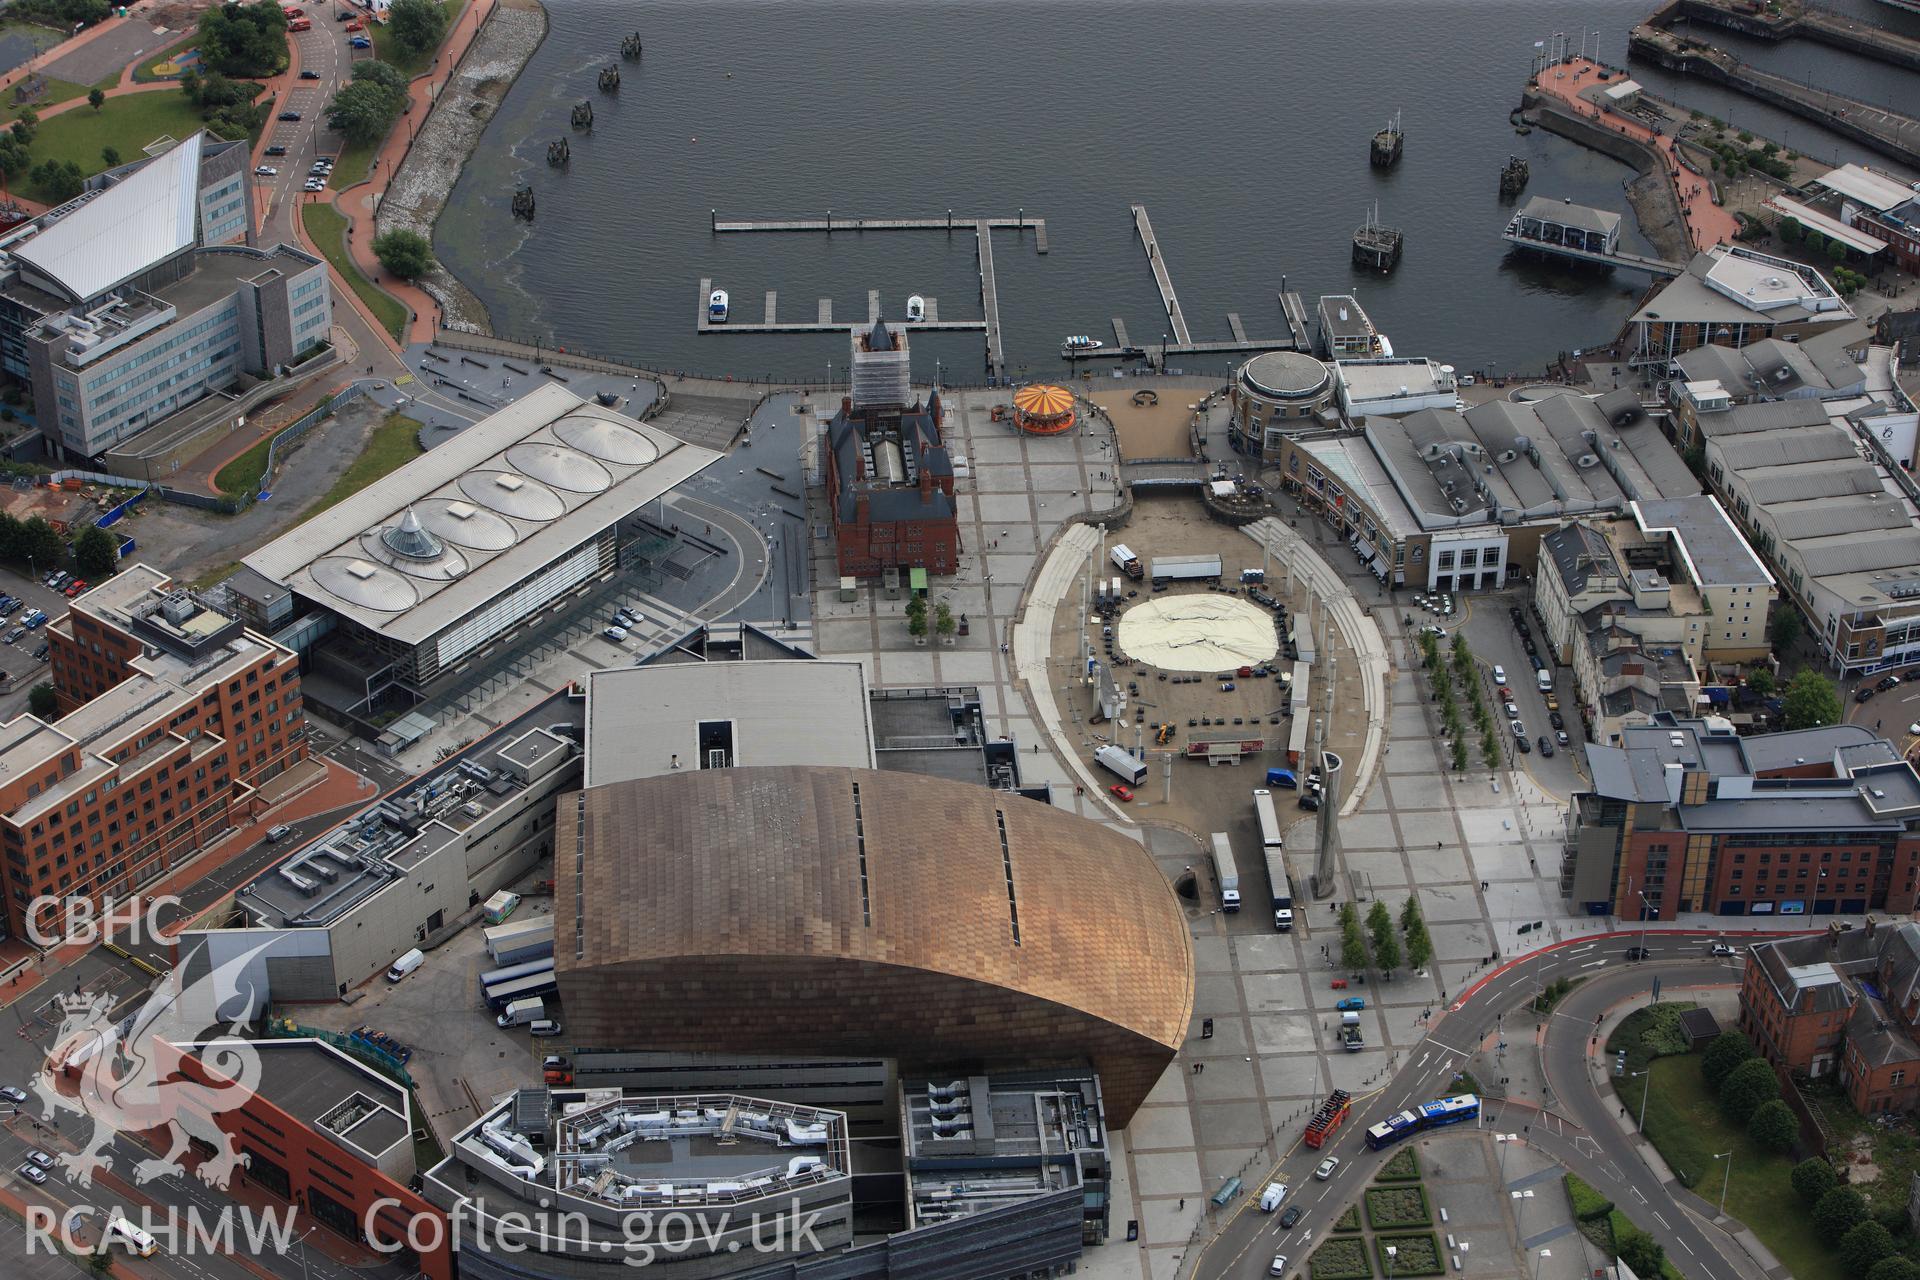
[(122, 306), (175, 716), (1685, 815)]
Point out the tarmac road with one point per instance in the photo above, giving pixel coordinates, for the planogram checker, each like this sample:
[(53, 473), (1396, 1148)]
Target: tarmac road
[(1586, 1137)]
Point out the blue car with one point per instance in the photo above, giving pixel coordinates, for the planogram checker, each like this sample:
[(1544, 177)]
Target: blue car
[(1351, 1002), (361, 42)]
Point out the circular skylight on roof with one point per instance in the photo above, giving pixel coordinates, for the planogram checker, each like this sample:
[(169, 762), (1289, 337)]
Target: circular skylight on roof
[(606, 440), (464, 525), (365, 584), (559, 466), (512, 494)]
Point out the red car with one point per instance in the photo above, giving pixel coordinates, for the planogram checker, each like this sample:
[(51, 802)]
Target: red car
[(1121, 791), (75, 588), (356, 25)]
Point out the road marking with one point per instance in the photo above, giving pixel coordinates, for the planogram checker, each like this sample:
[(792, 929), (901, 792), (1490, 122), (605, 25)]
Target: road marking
[(1636, 1194), (1449, 1048), (1662, 1221), (1682, 1242), (1593, 964)]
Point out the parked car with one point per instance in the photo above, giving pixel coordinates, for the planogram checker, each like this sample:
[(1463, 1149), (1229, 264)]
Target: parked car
[(1351, 1002), (1539, 663), (360, 42), (291, 116), (1557, 720), (615, 634), (13, 1093), (265, 171), (1546, 745), (275, 834), (1326, 1168), (1120, 791), (40, 654), (13, 636), (1310, 801), (1523, 746), (1499, 674), (32, 1173), (544, 1028), (1562, 738), (309, 75), (1513, 712), (39, 1157), (276, 150), (75, 587), (314, 184), (1886, 683), (1863, 693)]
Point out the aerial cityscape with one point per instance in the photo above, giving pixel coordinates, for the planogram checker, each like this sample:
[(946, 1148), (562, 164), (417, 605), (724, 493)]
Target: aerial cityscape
[(968, 641)]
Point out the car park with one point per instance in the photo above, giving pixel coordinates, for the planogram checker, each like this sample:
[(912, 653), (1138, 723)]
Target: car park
[(1120, 791), (265, 171), (1326, 1168), (1546, 746)]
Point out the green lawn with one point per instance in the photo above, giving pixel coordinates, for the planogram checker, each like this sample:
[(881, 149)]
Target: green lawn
[(328, 227), (350, 166), (394, 443), (388, 50), (56, 91), (127, 124), (1684, 1123), (241, 477)]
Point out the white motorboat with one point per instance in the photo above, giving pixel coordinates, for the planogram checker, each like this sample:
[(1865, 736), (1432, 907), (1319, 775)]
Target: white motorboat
[(1080, 345), (916, 308), (717, 307)]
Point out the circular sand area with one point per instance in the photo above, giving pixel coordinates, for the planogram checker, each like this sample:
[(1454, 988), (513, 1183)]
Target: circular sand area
[(1198, 633)]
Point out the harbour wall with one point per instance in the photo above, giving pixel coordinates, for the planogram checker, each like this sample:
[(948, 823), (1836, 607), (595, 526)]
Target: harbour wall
[(1822, 26), (1655, 205)]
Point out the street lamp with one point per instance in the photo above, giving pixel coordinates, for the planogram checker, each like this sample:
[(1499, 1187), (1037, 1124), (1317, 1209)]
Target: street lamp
[(1724, 1179), (1544, 1253), (1645, 907), (1392, 1253), (1640, 1125)]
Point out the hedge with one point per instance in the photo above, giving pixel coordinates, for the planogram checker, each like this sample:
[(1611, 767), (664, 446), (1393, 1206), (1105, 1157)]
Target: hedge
[(1419, 1255), (1404, 1167), (1348, 1221), (1588, 1204), (1390, 1207), (1341, 1260)]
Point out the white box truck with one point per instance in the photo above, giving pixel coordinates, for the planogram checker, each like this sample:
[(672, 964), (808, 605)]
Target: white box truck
[(1117, 760), (1282, 886), (1125, 561), (1226, 872), (521, 1012)]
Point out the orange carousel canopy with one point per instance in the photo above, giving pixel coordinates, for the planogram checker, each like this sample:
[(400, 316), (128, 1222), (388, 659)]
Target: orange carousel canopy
[(1043, 409)]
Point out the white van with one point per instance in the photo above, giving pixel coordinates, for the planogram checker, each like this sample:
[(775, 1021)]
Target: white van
[(519, 1012), (1544, 679), (1273, 1197), (406, 964)]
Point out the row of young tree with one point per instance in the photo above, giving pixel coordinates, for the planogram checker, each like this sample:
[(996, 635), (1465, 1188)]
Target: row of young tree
[(37, 546), (1380, 945)]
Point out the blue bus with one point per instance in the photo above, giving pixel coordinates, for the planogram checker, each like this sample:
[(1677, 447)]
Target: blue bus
[(1428, 1115)]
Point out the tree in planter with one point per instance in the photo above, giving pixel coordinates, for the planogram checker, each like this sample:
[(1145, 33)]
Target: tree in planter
[(1773, 1126), (1728, 1050), (917, 617), (40, 700), (943, 620), (1462, 657), (1813, 1178), (1490, 748), (96, 554), (1460, 757), (1414, 925), (1386, 946), (1838, 1212), (1353, 942)]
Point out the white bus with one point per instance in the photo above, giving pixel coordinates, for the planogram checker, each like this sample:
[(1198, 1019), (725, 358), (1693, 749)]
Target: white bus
[(1269, 824), (136, 1241)]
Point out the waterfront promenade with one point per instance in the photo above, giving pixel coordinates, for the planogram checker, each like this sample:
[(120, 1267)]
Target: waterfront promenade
[(1708, 224)]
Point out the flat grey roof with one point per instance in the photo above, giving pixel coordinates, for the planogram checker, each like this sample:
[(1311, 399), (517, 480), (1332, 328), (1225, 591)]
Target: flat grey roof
[(780, 712), (1714, 551), (507, 497), (329, 1093)]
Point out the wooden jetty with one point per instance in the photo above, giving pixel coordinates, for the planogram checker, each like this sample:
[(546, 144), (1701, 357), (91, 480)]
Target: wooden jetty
[(990, 303), (825, 322), (1295, 310), (1143, 225), (830, 224)]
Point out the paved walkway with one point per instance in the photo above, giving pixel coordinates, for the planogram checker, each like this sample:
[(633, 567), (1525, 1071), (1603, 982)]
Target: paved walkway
[(1708, 224)]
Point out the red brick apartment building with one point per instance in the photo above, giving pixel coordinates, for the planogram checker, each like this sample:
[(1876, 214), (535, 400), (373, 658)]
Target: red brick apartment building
[(1845, 1000), (326, 1133), (1685, 815), (172, 715)]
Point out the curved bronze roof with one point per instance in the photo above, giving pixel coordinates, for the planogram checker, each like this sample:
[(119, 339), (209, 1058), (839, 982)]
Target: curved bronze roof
[(822, 909)]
